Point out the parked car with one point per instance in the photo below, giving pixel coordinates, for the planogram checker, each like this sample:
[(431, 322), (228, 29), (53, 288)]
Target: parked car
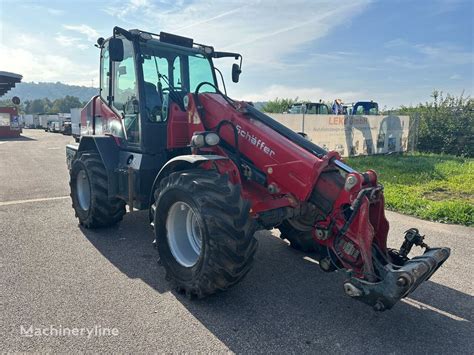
[(67, 128)]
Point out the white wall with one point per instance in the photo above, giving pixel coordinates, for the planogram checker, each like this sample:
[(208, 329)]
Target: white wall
[(363, 135)]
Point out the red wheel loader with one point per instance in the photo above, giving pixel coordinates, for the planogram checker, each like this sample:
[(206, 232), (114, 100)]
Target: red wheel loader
[(162, 136)]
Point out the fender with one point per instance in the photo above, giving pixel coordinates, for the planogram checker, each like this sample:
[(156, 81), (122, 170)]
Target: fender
[(181, 162), (108, 151), (105, 146)]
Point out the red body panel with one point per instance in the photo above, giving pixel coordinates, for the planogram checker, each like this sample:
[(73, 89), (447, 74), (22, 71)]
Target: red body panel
[(180, 127), (98, 118)]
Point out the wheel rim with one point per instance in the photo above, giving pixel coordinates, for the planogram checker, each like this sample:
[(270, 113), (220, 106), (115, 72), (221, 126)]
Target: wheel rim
[(184, 234), (83, 189)]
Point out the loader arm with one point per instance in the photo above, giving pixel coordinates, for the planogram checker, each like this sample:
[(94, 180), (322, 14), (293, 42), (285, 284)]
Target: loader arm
[(286, 176)]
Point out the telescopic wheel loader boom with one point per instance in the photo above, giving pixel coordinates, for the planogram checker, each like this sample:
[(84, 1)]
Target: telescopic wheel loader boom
[(161, 136)]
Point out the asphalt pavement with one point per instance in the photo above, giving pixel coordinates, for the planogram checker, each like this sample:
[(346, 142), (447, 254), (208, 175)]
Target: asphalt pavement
[(56, 276)]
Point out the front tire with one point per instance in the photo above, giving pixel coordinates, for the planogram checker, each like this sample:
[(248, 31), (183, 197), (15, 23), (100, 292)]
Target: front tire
[(203, 230), (301, 240), (89, 193)]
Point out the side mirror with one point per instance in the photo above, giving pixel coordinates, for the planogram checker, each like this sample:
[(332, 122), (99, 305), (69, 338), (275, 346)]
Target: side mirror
[(236, 72), (116, 49)]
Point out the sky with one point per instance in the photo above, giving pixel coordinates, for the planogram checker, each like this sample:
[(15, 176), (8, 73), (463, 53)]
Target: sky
[(395, 52)]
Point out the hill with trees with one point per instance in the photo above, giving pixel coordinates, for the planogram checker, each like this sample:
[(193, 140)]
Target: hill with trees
[(52, 91), (45, 105)]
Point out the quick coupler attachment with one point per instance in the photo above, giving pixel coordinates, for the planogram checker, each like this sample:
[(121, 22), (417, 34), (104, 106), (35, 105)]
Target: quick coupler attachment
[(400, 277)]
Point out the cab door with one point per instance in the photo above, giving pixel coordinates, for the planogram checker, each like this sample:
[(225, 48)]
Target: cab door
[(105, 120), (124, 98)]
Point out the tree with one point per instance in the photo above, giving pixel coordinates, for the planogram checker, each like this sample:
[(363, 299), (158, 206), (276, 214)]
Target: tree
[(45, 105), (445, 125), (38, 106), (65, 104), (278, 105)]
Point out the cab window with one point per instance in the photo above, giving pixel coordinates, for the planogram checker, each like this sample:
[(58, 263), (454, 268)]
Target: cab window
[(177, 81), (200, 71), (104, 72), (155, 73), (125, 92)]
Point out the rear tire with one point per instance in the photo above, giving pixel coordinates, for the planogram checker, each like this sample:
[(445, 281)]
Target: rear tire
[(89, 193), (203, 231)]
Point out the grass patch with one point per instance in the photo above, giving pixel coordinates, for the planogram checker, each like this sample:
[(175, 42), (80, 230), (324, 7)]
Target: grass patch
[(430, 186)]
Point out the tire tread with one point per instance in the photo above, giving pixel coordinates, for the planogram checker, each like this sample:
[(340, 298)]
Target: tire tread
[(104, 211), (232, 245)]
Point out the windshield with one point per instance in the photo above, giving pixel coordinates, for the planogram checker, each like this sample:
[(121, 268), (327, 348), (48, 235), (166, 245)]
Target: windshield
[(295, 109), (366, 108), (171, 73)]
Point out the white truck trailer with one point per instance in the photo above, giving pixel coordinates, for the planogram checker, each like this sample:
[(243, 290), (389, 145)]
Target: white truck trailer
[(76, 123)]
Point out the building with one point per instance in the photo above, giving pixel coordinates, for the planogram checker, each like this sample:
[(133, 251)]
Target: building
[(9, 117)]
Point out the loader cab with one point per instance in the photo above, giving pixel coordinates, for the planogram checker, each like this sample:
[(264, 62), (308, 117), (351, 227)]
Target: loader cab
[(139, 122), (366, 108), (144, 79)]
